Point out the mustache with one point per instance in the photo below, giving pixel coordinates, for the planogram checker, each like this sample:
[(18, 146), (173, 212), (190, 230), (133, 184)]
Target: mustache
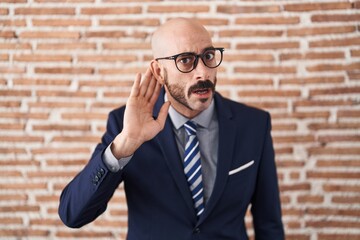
[(201, 85)]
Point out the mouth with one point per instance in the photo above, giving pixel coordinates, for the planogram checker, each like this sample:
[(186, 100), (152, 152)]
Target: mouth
[(202, 89)]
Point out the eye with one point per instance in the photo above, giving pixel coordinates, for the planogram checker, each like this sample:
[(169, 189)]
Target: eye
[(209, 55), (185, 59)]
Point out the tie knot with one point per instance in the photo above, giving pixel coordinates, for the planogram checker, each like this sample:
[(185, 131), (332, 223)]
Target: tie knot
[(190, 128)]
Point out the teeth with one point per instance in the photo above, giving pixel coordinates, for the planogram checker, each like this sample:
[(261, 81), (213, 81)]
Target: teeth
[(201, 91)]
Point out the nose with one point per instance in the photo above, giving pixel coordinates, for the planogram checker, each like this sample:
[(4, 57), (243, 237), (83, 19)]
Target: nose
[(200, 69)]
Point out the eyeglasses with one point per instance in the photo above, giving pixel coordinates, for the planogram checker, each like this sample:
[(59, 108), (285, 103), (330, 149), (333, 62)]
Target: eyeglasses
[(186, 62)]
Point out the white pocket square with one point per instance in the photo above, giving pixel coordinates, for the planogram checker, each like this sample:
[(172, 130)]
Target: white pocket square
[(236, 170)]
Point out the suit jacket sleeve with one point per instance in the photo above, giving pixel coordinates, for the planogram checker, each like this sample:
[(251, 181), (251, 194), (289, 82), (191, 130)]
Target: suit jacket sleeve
[(265, 206), (87, 195)]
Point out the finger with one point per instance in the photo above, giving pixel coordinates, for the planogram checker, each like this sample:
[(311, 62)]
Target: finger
[(135, 87), (145, 82), (163, 114), (156, 92), (151, 88)]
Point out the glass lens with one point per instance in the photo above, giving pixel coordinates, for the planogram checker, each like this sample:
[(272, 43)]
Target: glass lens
[(185, 62), (212, 58)]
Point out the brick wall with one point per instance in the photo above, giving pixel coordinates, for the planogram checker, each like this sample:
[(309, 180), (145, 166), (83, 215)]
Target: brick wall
[(65, 64)]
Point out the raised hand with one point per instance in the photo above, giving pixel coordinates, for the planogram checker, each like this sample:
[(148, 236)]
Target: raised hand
[(139, 124)]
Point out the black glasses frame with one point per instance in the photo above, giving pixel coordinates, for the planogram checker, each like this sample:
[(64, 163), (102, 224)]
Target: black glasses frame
[(197, 56)]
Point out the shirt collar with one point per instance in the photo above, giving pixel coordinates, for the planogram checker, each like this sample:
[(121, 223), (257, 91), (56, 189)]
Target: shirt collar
[(203, 119)]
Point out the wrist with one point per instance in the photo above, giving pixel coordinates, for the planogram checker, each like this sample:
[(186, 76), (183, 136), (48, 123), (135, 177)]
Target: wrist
[(124, 146)]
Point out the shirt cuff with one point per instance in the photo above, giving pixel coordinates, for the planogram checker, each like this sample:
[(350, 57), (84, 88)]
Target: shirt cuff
[(112, 163)]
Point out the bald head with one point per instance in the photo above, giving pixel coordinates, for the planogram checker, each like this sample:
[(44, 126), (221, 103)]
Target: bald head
[(179, 35)]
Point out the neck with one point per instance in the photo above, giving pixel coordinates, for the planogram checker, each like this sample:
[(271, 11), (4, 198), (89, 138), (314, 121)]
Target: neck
[(184, 110)]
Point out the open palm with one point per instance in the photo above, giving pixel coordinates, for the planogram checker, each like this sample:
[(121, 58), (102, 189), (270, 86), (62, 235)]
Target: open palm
[(139, 123)]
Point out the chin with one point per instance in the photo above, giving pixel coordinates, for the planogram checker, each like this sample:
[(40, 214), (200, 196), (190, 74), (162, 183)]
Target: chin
[(202, 105)]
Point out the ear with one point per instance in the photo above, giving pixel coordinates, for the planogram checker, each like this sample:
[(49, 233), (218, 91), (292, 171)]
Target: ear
[(158, 71)]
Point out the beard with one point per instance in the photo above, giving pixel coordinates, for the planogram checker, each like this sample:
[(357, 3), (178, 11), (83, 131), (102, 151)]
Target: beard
[(177, 91)]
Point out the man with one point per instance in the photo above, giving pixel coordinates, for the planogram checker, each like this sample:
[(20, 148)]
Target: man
[(191, 161)]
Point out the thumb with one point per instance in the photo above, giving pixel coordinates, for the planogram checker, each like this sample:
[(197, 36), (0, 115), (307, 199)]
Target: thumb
[(163, 114)]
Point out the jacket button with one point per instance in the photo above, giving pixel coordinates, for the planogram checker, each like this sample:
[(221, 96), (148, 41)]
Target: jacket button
[(196, 230), (96, 179), (95, 182)]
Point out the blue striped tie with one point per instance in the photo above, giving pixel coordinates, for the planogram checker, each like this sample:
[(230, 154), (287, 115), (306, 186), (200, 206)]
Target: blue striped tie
[(192, 167)]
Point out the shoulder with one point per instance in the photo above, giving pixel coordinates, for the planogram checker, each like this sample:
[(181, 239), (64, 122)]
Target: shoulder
[(115, 120), (237, 109), (117, 113)]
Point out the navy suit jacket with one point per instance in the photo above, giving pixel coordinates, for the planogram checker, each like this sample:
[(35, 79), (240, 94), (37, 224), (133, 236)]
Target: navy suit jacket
[(159, 202)]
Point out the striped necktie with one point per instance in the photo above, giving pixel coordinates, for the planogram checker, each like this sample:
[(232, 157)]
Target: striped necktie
[(192, 167)]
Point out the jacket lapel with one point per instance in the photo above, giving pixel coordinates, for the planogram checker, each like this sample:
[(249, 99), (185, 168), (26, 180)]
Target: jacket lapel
[(227, 134), (168, 146)]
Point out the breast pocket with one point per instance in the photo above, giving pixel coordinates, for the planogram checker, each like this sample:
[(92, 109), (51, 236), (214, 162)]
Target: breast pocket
[(240, 184), (241, 168)]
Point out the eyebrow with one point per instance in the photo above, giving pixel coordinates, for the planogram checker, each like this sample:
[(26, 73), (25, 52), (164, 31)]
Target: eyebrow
[(207, 48)]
